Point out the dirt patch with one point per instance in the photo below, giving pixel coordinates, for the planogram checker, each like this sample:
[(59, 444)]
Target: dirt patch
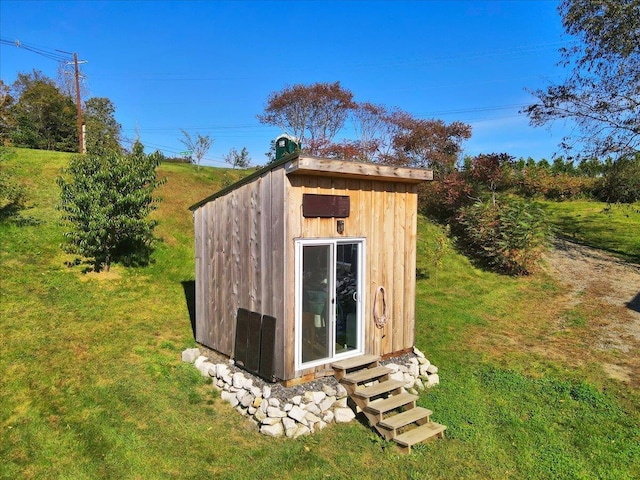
[(604, 293)]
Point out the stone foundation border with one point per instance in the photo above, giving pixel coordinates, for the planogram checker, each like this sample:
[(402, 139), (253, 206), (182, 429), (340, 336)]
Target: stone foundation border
[(307, 408)]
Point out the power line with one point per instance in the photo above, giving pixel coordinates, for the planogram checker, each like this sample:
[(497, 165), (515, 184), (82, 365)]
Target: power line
[(51, 54)]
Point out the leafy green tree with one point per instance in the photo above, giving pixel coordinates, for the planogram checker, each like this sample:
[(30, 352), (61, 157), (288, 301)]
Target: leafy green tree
[(621, 181), (103, 131), (106, 201), (12, 194), (7, 121), (43, 117), (198, 145), (238, 159), (601, 94), (439, 248), (509, 235)]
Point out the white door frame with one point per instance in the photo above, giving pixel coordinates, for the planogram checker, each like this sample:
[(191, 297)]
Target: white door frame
[(332, 242)]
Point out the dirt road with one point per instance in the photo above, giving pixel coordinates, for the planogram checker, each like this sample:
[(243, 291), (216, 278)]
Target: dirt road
[(607, 292)]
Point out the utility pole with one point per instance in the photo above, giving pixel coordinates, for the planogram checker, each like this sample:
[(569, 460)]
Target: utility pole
[(79, 104)]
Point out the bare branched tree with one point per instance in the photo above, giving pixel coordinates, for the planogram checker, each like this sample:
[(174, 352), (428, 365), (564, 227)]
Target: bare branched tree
[(602, 93)]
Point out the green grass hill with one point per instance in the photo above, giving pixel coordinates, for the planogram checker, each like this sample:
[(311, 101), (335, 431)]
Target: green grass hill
[(92, 386)]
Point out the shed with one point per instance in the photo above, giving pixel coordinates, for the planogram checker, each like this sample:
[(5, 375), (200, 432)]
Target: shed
[(290, 261)]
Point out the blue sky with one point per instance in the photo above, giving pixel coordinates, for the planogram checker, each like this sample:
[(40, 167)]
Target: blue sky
[(208, 67)]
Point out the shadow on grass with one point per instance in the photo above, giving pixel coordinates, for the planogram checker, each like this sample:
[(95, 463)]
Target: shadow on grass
[(189, 287), (634, 304)]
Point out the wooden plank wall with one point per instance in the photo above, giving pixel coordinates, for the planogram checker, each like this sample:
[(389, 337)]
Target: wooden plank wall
[(245, 255), (239, 242), (385, 214)]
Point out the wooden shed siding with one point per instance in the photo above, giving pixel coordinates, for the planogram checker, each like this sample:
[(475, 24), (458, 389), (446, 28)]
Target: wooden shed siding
[(379, 212), (245, 254), (239, 257)]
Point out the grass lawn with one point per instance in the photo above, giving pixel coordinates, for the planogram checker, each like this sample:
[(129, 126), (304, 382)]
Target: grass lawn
[(614, 228), (92, 386)]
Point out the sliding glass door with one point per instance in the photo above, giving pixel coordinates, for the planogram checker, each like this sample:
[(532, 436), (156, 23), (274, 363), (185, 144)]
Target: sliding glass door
[(328, 300)]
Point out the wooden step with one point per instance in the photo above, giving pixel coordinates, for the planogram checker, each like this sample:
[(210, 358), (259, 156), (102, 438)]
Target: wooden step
[(405, 418), (378, 389), (342, 367), (365, 375), (419, 434), (355, 362), (382, 406)]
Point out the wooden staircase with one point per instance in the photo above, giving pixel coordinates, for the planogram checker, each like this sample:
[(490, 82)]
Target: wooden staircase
[(389, 409)]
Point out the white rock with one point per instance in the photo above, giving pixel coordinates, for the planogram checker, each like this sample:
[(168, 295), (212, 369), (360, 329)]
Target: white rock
[(240, 393), (341, 392), (343, 415), (247, 400), (288, 406), (433, 380), (248, 384), (275, 430), (413, 361), (313, 408), (227, 379), (274, 402), (394, 367), (204, 368), (252, 410), (412, 391), (328, 417), (423, 370), (296, 400), (271, 421), (341, 403), (314, 397), (239, 380), (301, 430), (220, 383), (221, 370), (229, 397), (327, 403), (396, 376), (321, 425), (419, 385), (190, 355), (414, 370), (275, 412), (290, 426), (266, 391), (199, 360), (311, 418), (260, 415), (417, 352), (241, 410), (264, 406), (231, 361), (423, 361), (330, 391), (297, 413), (410, 380), (432, 369), (255, 391)]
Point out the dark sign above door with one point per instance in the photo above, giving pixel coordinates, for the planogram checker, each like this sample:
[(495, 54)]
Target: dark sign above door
[(325, 206)]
